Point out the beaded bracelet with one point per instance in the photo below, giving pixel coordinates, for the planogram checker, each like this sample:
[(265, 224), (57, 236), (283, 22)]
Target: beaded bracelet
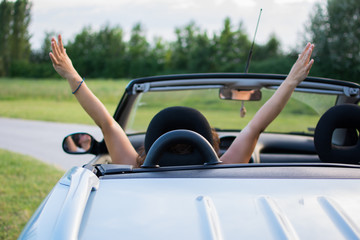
[(78, 86)]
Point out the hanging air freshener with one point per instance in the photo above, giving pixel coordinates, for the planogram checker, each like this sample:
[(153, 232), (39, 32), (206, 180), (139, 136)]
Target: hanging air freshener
[(242, 110)]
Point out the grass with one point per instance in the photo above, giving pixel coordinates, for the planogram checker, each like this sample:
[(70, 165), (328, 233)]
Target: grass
[(50, 110), (57, 89), (25, 182), (51, 99)]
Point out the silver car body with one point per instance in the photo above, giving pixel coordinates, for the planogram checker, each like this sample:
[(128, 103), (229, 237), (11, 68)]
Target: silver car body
[(260, 200)]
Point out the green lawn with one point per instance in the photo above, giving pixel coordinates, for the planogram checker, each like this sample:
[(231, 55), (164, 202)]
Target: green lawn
[(51, 99), (25, 182)]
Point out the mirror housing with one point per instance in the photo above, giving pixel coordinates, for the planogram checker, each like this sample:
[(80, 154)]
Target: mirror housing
[(79, 143), (239, 94)]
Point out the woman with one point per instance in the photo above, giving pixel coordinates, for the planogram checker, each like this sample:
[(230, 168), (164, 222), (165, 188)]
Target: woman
[(118, 144)]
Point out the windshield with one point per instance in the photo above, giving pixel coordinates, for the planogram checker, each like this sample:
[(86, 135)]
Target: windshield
[(300, 115)]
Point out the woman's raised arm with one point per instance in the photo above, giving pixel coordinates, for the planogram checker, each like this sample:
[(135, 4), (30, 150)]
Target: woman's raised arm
[(244, 144), (118, 144)]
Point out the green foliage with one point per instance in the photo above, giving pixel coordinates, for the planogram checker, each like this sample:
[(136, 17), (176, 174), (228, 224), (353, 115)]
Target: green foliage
[(275, 65), (268, 51), (5, 20), (98, 54), (25, 182), (19, 42), (14, 36), (192, 51), (138, 55), (232, 48), (335, 31)]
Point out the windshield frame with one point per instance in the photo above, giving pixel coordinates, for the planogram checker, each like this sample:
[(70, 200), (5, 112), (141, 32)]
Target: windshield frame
[(346, 92)]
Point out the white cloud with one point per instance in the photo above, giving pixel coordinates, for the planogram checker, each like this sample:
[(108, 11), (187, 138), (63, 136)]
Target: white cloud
[(293, 1), (218, 2), (182, 4), (245, 3)]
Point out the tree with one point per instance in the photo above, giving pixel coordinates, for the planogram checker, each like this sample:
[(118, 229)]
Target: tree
[(19, 38), (159, 54), (39, 66), (138, 57), (232, 48), (14, 37), (5, 19), (181, 47), (202, 54), (99, 54), (192, 51), (268, 58), (42, 55), (111, 51), (335, 30), (270, 50)]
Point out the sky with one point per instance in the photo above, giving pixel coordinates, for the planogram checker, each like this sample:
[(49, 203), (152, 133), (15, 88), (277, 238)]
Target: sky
[(284, 18)]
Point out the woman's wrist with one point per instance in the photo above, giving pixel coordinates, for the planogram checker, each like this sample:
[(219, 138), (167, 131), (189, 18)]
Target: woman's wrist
[(73, 77), (77, 88), (290, 82)]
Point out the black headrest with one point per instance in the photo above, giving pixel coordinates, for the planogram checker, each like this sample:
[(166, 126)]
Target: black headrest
[(174, 118), (346, 116)]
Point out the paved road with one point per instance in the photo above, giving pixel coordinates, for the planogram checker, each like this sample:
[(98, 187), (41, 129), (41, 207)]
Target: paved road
[(43, 140)]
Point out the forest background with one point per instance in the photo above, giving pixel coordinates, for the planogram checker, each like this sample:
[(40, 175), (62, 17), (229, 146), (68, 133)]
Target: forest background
[(334, 27)]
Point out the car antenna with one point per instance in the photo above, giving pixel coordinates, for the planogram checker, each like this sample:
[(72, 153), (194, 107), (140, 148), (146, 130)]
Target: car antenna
[(252, 45), (243, 109)]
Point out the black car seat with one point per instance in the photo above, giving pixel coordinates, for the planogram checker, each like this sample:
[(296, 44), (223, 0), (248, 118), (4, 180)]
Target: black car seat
[(178, 118), (336, 136)]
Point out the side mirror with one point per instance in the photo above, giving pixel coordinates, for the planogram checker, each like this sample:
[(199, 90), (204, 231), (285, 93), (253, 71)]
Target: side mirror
[(241, 95), (78, 143)]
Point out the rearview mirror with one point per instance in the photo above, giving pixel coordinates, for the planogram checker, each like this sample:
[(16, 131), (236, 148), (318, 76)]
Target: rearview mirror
[(241, 95), (78, 143)]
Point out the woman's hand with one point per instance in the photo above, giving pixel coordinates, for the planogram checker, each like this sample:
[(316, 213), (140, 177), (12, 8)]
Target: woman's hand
[(61, 61), (302, 66)]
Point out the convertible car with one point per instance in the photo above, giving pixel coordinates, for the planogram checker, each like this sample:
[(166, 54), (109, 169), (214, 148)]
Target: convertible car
[(302, 181)]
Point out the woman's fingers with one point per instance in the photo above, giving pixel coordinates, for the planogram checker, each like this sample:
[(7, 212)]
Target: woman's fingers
[(61, 62), (301, 55), (307, 61), (53, 59), (306, 54), (309, 52), (61, 46), (302, 66), (53, 54), (55, 48), (308, 67), (58, 52)]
